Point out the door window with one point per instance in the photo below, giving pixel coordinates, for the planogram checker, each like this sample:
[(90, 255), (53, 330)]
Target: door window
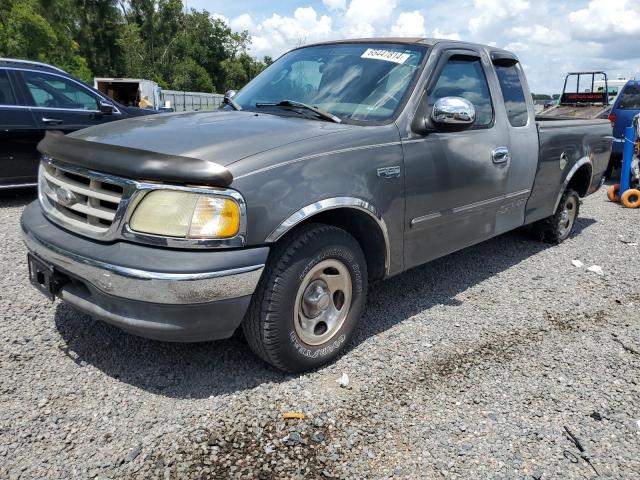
[(52, 91), (465, 78), (513, 94), (6, 92)]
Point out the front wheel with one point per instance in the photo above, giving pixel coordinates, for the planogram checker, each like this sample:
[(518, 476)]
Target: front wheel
[(309, 300), (559, 226)]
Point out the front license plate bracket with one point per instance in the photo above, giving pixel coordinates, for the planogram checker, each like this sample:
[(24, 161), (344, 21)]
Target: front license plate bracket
[(45, 277)]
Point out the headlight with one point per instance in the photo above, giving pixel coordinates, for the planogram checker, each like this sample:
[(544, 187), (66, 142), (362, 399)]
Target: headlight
[(172, 213)]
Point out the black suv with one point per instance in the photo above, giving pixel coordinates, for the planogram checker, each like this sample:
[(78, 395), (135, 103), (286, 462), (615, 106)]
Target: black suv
[(35, 97)]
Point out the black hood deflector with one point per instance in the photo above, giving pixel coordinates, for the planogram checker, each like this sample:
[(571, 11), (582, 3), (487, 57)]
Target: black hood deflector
[(132, 162)]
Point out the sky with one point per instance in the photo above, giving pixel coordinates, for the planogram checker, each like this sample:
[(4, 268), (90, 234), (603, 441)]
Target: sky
[(551, 37)]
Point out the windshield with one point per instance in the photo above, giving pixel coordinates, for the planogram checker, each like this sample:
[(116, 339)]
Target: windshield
[(630, 98), (363, 82)]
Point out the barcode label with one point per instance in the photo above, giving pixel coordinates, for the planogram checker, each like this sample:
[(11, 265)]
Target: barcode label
[(386, 55)]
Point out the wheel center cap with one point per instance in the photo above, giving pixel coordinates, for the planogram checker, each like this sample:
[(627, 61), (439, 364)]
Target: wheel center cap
[(315, 299)]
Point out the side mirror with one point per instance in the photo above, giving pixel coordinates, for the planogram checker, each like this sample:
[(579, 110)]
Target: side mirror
[(231, 93), (106, 108), (453, 111)]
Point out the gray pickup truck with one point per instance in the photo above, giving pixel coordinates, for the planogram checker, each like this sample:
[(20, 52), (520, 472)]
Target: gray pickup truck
[(341, 164)]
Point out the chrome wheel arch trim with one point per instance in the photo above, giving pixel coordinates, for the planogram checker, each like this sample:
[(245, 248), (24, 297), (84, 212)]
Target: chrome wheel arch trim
[(583, 161), (333, 204)]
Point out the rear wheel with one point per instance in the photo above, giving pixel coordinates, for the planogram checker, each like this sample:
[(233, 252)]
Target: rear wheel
[(309, 300), (559, 226), (631, 198)]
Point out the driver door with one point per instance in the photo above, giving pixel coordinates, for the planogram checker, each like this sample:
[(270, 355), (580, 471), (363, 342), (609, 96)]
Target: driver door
[(455, 177)]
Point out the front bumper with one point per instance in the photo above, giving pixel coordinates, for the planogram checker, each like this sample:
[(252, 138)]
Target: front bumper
[(173, 295)]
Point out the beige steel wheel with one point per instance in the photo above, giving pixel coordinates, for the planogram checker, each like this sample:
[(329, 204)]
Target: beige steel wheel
[(322, 302)]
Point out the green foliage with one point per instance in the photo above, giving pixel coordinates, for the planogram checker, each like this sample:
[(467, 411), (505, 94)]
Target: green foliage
[(239, 69), (27, 32), (152, 39), (189, 76)]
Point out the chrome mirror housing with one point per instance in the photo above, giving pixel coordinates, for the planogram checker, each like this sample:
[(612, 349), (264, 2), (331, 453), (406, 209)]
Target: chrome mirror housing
[(453, 111), (230, 93)]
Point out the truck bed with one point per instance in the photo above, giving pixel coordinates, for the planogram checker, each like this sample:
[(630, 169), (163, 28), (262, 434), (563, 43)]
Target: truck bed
[(573, 111)]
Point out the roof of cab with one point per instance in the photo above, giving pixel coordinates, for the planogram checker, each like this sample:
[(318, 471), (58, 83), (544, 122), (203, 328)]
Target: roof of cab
[(496, 53)]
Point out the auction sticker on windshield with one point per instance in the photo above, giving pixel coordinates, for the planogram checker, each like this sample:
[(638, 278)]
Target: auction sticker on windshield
[(387, 55)]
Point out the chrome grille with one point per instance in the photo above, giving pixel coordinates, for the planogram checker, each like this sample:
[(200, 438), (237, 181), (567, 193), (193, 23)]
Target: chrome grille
[(83, 201)]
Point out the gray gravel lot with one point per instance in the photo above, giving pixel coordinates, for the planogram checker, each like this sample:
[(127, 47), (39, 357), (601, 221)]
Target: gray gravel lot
[(468, 367)]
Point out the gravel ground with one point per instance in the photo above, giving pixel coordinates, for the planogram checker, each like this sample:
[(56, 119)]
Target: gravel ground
[(469, 367)]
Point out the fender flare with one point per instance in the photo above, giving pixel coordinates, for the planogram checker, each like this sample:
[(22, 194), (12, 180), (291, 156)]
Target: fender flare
[(334, 203), (579, 164)]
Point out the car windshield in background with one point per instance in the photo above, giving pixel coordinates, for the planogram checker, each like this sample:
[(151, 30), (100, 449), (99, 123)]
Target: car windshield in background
[(362, 82), (630, 98)]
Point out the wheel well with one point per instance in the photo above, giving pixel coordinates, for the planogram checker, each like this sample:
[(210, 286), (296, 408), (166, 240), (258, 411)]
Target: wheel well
[(581, 180), (364, 229)]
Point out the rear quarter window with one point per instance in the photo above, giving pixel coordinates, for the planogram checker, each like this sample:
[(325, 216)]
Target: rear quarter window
[(630, 98), (513, 94)]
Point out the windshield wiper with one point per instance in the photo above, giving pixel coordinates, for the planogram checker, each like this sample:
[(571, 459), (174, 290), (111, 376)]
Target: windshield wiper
[(230, 101), (293, 104)]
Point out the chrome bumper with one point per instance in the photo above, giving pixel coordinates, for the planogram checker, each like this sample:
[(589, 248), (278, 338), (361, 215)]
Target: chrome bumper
[(148, 286)]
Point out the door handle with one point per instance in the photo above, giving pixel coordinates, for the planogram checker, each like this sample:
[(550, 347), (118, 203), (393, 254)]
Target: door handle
[(52, 121), (500, 155)]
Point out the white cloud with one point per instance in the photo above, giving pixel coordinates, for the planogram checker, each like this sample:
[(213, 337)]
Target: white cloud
[(219, 16), (409, 24), (363, 16), (517, 47), (278, 34), (437, 33), (539, 34), (550, 37), (492, 12), (335, 4), (602, 19), (242, 23)]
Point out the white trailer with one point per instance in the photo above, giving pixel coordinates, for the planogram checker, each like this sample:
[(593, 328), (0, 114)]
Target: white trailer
[(130, 91)]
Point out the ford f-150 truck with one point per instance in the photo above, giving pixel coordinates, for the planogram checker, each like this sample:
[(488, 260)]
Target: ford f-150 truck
[(341, 164)]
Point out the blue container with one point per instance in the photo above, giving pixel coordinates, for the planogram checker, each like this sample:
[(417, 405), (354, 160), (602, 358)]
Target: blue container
[(627, 156)]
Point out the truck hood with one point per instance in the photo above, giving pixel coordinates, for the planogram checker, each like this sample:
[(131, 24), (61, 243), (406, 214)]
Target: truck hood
[(223, 137)]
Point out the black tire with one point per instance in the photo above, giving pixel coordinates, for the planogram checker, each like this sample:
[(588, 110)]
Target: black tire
[(269, 324), (554, 229)]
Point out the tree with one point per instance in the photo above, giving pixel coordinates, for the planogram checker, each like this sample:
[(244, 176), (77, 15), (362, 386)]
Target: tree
[(27, 33), (153, 39), (99, 27), (133, 52), (191, 77)]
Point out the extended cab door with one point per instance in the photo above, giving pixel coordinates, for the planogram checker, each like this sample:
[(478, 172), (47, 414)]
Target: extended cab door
[(523, 141), (61, 103), (456, 178), (19, 136)]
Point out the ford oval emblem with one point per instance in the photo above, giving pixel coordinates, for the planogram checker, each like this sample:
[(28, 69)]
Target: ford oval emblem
[(66, 197)]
